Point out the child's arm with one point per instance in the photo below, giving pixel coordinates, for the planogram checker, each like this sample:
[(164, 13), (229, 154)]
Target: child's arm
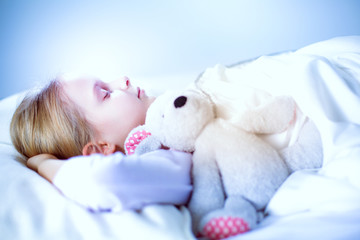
[(46, 165), (120, 182)]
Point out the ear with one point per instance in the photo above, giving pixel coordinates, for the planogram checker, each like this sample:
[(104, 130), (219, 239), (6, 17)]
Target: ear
[(98, 147)]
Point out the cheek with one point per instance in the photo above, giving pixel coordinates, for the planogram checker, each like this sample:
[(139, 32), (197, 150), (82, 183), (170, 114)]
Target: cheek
[(116, 121), (128, 120), (135, 115), (129, 116)]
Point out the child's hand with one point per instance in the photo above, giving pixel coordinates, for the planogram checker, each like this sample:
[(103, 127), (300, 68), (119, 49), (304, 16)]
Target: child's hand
[(46, 165), (34, 162)]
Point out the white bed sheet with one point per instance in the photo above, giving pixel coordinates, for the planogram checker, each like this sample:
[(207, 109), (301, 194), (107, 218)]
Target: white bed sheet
[(324, 79), (311, 204)]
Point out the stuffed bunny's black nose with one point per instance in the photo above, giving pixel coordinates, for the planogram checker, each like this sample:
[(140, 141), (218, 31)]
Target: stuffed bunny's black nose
[(180, 102)]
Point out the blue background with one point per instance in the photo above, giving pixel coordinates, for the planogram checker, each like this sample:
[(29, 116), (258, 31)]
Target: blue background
[(42, 38)]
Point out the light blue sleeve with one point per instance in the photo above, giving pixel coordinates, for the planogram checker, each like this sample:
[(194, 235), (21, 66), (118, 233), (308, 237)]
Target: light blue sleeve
[(117, 182)]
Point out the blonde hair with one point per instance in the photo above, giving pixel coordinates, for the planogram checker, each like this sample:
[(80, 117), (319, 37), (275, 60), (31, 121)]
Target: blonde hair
[(48, 122)]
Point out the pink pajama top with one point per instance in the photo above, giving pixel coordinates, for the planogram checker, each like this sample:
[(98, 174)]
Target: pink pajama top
[(118, 182)]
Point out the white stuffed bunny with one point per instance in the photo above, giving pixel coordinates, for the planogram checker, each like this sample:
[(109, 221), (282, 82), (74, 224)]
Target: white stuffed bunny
[(235, 173)]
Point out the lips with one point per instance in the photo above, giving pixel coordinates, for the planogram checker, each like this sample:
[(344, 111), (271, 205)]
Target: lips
[(140, 93)]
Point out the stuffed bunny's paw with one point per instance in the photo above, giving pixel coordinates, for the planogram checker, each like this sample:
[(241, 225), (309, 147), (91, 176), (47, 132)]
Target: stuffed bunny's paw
[(135, 137), (224, 227)]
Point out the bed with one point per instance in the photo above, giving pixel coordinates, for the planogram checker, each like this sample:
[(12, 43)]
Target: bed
[(323, 78)]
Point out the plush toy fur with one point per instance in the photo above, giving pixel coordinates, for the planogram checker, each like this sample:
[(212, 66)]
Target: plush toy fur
[(235, 173)]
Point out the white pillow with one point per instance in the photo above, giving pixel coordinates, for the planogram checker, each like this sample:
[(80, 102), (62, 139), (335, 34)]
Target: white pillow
[(7, 109)]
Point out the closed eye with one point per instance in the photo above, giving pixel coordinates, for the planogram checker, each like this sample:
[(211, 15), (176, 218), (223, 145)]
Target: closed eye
[(101, 91), (105, 93)]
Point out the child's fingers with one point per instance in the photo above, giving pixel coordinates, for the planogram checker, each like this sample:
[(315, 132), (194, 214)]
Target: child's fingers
[(34, 162)]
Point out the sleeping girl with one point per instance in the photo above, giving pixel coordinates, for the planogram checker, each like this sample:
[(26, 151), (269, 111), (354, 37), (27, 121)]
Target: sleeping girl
[(85, 116), (86, 121)]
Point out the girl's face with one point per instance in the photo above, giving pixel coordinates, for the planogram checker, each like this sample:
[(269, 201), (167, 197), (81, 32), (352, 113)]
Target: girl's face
[(114, 108)]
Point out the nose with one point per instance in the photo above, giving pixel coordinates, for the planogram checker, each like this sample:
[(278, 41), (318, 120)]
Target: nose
[(180, 101), (121, 83)]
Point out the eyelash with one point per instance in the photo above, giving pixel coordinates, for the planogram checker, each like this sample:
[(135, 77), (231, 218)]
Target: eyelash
[(107, 93), (103, 91)]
